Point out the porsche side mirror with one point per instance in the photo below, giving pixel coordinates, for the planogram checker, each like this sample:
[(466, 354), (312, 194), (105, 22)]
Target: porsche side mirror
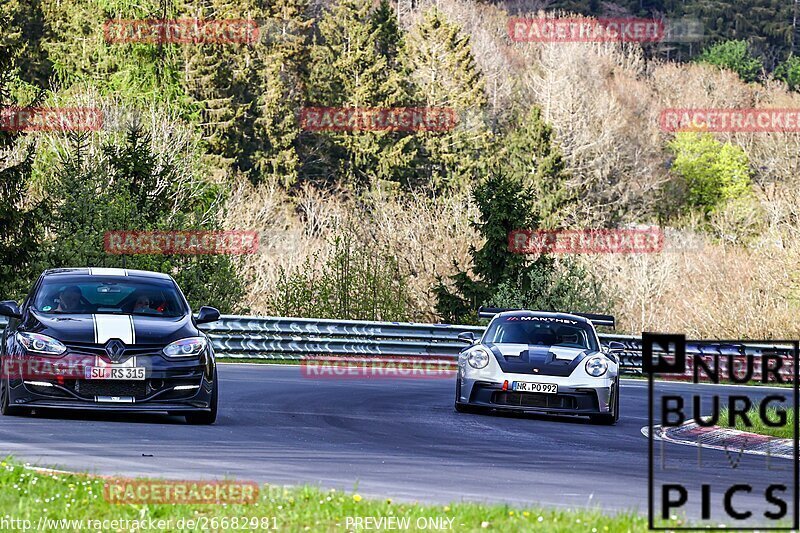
[(206, 315), (615, 347), (467, 337), (10, 309)]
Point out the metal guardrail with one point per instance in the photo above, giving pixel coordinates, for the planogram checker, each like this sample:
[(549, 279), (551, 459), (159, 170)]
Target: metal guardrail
[(283, 338), (295, 338)]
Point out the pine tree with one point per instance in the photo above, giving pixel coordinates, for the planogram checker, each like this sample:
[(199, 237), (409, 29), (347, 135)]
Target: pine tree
[(504, 205), (20, 219), (735, 56), (446, 76), (281, 71), (528, 152), (131, 188), (349, 71), (226, 80), (525, 188), (23, 31), (390, 37), (210, 80)]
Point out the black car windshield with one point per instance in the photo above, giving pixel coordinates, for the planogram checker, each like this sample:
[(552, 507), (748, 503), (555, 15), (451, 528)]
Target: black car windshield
[(545, 331), (109, 295)]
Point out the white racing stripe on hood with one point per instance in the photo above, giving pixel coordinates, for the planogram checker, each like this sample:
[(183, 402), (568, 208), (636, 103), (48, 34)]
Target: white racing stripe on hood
[(108, 272), (511, 349), (114, 327), (561, 352), (567, 353)]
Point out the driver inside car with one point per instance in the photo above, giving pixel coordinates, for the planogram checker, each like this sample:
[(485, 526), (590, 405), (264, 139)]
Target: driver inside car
[(69, 300)]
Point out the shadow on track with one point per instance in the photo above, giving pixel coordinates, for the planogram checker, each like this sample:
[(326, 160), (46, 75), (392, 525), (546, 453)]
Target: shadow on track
[(567, 419), (106, 416)]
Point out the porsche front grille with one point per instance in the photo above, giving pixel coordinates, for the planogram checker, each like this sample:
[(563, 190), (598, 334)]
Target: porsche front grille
[(534, 399)]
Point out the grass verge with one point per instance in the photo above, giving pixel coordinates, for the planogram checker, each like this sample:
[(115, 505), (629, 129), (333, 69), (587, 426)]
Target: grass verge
[(72, 502), (757, 425)]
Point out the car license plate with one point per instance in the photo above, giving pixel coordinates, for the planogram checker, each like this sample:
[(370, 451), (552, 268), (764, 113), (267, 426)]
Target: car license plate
[(526, 386), (130, 373)]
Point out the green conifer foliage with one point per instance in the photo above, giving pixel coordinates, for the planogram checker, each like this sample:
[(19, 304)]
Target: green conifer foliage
[(351, 68), (445, 74), (21, 229)]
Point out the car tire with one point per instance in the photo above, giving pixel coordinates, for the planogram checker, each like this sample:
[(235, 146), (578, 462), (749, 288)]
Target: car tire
[(613, 417), (206, 417), (463, 407), (6, 409)]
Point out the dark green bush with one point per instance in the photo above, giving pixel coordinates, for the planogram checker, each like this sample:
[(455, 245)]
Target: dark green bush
[(128, 187), (733, 55)]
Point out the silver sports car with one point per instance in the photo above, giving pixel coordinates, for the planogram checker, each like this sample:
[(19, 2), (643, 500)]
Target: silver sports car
[(542, 362)]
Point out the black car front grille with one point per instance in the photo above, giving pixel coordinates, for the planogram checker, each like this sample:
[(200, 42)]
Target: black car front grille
[(534, 399), (92, 388), (89, 348)]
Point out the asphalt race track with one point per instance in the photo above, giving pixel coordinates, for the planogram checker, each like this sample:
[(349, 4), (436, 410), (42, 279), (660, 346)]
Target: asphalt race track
[(387, 438)]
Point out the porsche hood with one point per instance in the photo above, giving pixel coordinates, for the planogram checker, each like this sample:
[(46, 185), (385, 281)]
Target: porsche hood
[(538, 359)]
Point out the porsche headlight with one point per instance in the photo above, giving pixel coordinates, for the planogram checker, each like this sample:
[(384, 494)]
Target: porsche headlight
[(40, 344), (478, 358), (596, 366), (188, 347)]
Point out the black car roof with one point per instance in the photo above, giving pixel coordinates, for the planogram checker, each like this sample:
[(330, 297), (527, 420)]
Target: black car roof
[(543, 314), (104, 272)]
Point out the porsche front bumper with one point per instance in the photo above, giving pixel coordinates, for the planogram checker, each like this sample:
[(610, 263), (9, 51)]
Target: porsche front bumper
[(582, 396)]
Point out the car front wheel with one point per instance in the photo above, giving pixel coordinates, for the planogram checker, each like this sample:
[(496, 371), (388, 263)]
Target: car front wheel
[(611, 418), (463, 407), (210, 416), (6, 409)]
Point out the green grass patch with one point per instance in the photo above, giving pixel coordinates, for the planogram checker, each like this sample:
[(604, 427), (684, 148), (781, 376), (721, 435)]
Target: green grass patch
[(52, 500), (784, 431)]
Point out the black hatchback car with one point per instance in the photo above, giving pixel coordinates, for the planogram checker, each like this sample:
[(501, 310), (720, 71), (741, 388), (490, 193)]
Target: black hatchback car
[(108, 339)]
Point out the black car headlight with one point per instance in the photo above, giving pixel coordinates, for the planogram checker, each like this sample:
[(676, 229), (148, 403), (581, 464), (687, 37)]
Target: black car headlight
[(40, 344), (596, 366), (188, 347), (478, 358)]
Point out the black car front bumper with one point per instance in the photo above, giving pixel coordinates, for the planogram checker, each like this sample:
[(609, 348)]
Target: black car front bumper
[(169, 385)]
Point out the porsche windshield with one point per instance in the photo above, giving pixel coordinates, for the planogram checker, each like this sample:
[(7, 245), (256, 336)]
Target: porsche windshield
[(109, 295), (543, 331)]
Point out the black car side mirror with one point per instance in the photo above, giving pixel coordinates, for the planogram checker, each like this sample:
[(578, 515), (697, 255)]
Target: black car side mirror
[(206, 315), (467, 336), (615, 347), (10, 309)]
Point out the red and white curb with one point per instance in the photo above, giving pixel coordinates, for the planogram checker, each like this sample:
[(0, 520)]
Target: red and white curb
[(724, 439)]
